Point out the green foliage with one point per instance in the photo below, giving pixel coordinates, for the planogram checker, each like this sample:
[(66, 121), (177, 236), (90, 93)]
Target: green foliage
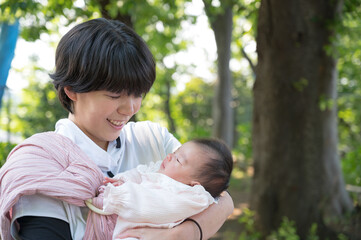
[(349, 91), (247, 221), (192, 110), (286, 231), (243, 104), (5, 149), (39, 110), (301, 84), (37, 16), (352, 168), (154, 107), (244, 30), (313, 233), (325, 104)]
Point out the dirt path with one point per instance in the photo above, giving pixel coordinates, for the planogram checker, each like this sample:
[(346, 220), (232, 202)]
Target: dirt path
[(239, 190)]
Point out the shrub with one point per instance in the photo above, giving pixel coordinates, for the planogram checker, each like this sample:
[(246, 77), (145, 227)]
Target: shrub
[(5, 149), (286, 231)]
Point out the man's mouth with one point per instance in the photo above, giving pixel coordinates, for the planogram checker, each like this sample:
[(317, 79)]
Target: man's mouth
[(116, 123)]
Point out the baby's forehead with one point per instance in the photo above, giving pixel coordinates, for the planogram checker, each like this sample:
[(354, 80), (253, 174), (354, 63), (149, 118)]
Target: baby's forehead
[(194, 150), (189, 147), (197, 147)]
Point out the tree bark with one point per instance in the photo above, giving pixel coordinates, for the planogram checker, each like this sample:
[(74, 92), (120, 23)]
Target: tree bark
[(222, 25), (167, 106), (125, 18), (296, 164)]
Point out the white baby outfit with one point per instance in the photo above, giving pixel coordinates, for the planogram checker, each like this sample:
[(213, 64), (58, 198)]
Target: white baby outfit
[(151, 199)]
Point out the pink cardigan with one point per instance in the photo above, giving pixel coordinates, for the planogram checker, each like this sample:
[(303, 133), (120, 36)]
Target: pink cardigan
[(52, 165)]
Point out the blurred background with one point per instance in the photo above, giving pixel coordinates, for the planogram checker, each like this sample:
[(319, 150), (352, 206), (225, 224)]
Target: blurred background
[(279, 81)]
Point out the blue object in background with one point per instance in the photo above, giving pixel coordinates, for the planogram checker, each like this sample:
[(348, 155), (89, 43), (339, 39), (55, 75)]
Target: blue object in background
[(8, 36)]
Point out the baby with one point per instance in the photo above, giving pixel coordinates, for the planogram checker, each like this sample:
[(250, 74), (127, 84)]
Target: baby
[(167, 192)]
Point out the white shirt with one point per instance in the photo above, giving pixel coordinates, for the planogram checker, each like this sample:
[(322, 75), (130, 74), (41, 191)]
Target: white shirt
[(141, 143)]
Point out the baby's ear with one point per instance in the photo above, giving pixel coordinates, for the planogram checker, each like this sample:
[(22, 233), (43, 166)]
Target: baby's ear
[(193, 183)]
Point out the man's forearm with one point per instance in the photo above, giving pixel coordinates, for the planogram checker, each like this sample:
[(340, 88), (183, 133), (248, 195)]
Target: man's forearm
[(43, 228), (210, 220)]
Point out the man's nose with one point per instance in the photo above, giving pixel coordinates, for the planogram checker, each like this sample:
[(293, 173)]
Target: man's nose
[(127, 107)]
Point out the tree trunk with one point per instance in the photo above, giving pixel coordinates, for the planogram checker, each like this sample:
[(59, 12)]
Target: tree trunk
[(167, 106), (125, 18), (222, 25), (296, 164)]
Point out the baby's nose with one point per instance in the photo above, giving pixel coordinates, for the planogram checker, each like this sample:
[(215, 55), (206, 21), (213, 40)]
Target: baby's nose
[(169, 157)]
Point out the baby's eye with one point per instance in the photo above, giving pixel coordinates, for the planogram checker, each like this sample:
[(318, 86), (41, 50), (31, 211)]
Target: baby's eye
[(179, 161)]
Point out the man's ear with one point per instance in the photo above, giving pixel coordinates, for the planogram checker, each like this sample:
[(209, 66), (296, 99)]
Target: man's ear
[(72, 95), (193, 183)]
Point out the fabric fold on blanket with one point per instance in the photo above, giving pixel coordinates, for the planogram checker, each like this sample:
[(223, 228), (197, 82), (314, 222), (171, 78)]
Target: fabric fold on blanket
[(52, 165)]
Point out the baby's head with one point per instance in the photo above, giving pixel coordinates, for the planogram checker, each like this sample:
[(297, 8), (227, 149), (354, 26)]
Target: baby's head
[(207, 162)]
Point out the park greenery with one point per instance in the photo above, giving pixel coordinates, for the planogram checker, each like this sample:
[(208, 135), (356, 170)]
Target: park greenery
[(187, 111)]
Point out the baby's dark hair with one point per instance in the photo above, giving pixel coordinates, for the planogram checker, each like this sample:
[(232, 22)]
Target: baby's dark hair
[(102, 54), (216, 172)]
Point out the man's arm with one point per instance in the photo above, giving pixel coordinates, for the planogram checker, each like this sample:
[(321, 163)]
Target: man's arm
[(43, 228), (210, 220)]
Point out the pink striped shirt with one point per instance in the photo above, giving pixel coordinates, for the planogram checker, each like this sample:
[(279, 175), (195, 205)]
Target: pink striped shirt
[(52, 165)]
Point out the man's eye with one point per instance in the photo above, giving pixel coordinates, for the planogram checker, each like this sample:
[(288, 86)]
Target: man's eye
[(113, 97)]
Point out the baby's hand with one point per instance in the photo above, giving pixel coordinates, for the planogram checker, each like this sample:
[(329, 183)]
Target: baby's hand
[(113, 181)]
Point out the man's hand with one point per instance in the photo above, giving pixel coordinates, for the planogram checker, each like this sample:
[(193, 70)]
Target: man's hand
[(115, 182), (184, 231)]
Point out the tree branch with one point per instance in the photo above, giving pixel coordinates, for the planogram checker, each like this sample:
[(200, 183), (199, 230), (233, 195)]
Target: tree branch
[(249, 61)]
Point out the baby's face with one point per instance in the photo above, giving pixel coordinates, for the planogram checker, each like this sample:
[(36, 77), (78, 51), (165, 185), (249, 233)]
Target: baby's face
[(184, 163)]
